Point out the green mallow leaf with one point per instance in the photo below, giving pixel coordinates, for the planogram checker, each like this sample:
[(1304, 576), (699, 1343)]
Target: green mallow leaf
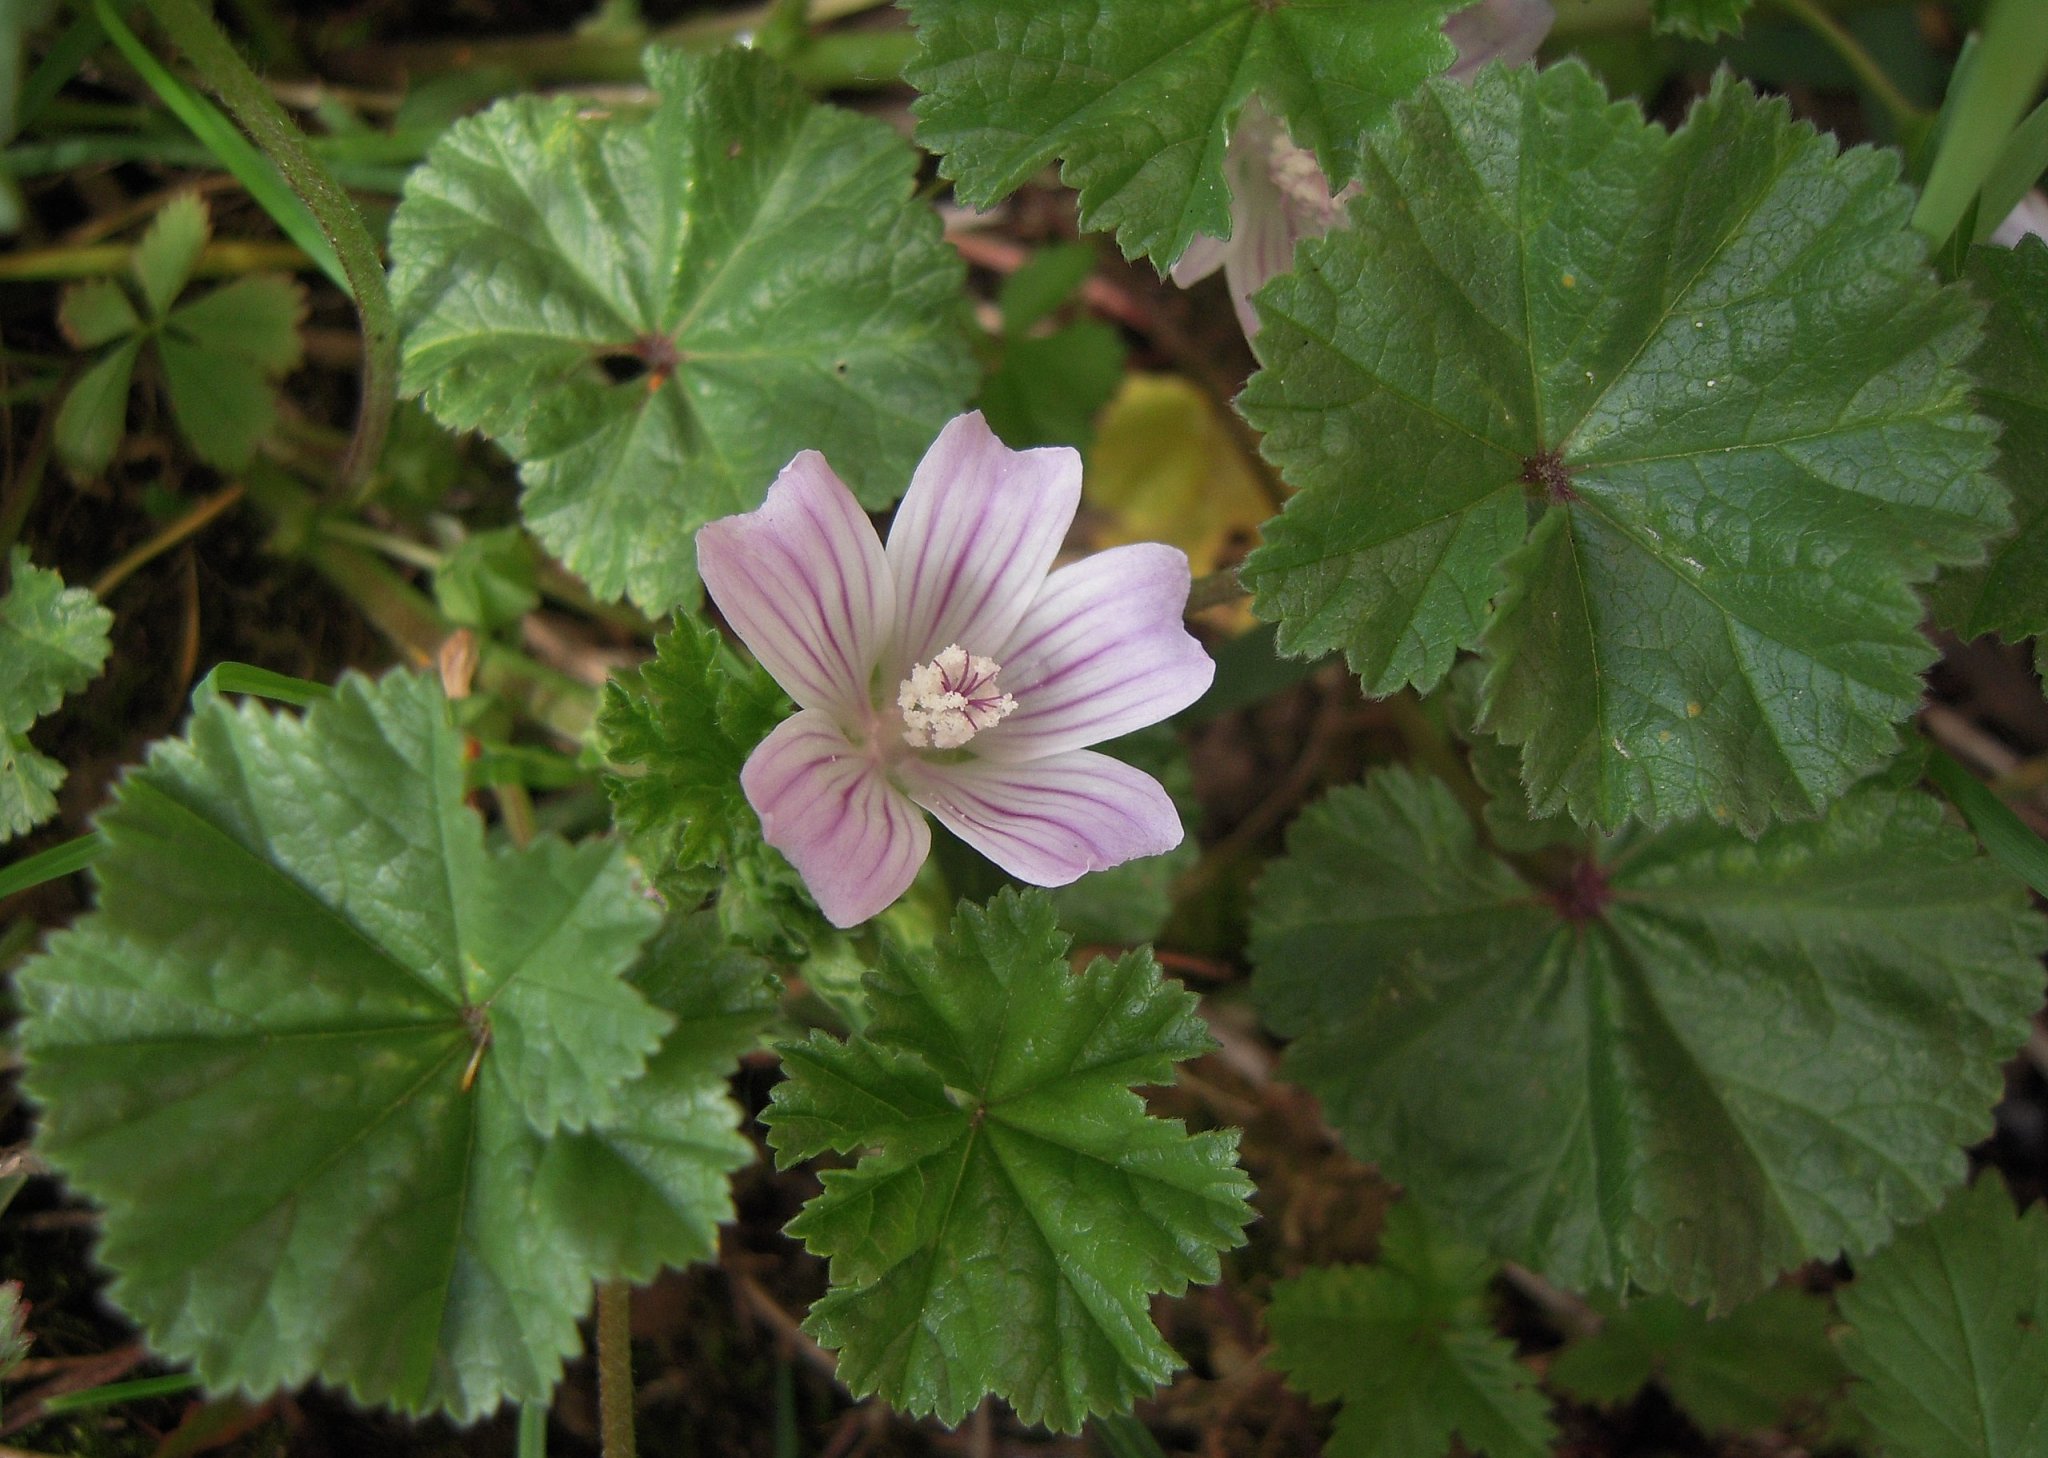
[(1947, 1332), (2008, 593), (1138, 99), (53, 642), (1764, 1363), (1688, 1061), (347, 1083), (648, 1187), (1014, 1208), (1407, 1347), (654, 312), (1700, 20), (680, 727), (1546, 310)]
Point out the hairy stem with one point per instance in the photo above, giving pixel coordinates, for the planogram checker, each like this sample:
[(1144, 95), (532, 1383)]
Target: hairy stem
[(251, 104)]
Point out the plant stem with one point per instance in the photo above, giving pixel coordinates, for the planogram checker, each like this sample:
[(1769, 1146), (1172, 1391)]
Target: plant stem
[(21, 490), (615, 1368), (105, 260), (251, 104), (533, 1431), (166, 539), (1908, 120), (1214, 589), (2011, 58), (398, 549)]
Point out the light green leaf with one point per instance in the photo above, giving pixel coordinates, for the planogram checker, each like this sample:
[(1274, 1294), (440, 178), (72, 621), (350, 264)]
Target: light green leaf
[(314, 1049), (751, 268), (1138, 99), (95, 312), (1742, 1373), (1406, 1346), (94, 414), (1687, 1062), (1546, 308), (170, 247), (1014, 1208), (2008, 593), (1700, 20), (256, 318), (53, 642), (1947, 1334)]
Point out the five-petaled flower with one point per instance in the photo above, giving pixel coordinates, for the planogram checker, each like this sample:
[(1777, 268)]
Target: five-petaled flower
[(951, 670), (1278, 194)]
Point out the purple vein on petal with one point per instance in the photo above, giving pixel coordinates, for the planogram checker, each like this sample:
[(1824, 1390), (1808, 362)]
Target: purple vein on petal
[(804, 582), (855, 840), (975, 535), (1101, 652), (1053, 820)]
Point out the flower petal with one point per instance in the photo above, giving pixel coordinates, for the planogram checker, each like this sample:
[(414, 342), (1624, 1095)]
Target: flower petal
[(1102, 652), (1508, 31), (1203, 257), (1053, 820), (972, 541), (803, 581), (2029, 215), (855, 840)]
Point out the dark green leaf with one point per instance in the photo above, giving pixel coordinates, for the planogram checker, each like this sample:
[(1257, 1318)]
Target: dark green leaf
[(2008, 593), (1014, 1208), (1700, 20), (1047, 390), (95, 411), (1741, 1373), (1547, 309), (654, 313), (1948, 1334), (313, 1053), (1138, 99), (1406, 1346), (1688, 1062)]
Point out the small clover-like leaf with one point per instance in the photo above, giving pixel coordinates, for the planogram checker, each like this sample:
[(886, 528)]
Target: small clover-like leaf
[(652, 313), (1015, 1208), (2007, 594), (1138, 99), (94, 414), (1689, 1061), (1947, 1332), (53, 642), (315, 1046), (220, 354), (163, 261), (1406, 1346), (1737, 468), (1742, 1372)]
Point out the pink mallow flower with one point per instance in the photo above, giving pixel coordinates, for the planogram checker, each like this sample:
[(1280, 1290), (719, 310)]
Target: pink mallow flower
[(1278, 193), (952, 670)]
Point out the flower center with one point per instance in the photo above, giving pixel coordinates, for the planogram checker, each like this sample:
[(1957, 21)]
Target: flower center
[(948, 701)]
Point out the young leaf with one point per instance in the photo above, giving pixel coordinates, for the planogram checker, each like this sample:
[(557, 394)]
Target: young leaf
[(1946, 1332), (489, 580), (1690, 1062), (1740, 1373), (1544, 303), (170, 247), (95, 411), (653, 314), (1138, 99), (53, 642), (220, 354), (1407, 1347), (1700, 20), (314, 1048), (1014, 1208), (685, 722), (2008, 593), (94, 312)]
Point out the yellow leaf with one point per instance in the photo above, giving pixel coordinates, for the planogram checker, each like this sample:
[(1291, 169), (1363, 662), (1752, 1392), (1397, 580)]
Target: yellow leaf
[(1166, 469)]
